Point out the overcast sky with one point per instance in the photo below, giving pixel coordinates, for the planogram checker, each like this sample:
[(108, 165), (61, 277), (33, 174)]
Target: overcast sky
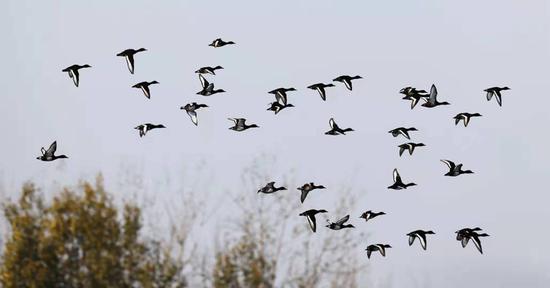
[(461, 46)]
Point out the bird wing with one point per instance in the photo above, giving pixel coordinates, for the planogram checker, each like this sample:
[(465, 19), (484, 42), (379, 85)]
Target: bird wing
[(332, 123), (368, 253), (433, 94), (499, 98), (464, 241), (489, 95), (312, 222), (321, 91), (401, 150), (280, 96), (411, 239), (51, 150), (396, 176), (414, 101), (146, 91), (348, 84), (193, 115), (130, 62), (343, 220), (304, 195), (449, 163), (75, 76), (382, 250), (404, 133), (422, 239), (204, 82), (477, 242)]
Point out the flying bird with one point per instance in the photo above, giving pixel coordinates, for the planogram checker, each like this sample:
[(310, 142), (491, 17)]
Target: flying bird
[(144, 128), (306, 188), (377, 247), (335, 129), (455, 170), (191, 108), (420, 235), (338, 225), (128, 54), (410, 147), (277, 107), (208, 70), (144, 86), (495, 91), (73, 72), (270, 188), (280, 94), (320, 87), (49, 155), (432, 100), (368, 215), (465, 117), (398, 183), (207, 87), (310, 216), (466, 234), (402, 131), (347, 80), (240, 124), (220, 43)]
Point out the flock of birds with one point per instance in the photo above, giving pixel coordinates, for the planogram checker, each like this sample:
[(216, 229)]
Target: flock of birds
[(281, 102)]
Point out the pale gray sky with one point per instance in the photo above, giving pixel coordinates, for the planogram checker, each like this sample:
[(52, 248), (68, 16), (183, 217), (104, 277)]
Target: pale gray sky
[(461, 46)]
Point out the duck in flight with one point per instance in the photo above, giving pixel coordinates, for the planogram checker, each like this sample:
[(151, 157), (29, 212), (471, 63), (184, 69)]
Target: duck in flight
[(402, 131), (144, 86), (207, 87), (280, 94), (220, 43), (277, 107), (455, 170), (49, 155), (346, 79), (495, 91), (420, 235), (432, 100), (310, 216), (191, 108), (320, 87), (128, 54), (270, 188), (465, 117), (208, 70), (466, 234), (410, 147), (340, 224), (308, 187), (377, 247), (370, 215), (144, 128), (240, 124), (398, 183), (73, 72), (335, 129)]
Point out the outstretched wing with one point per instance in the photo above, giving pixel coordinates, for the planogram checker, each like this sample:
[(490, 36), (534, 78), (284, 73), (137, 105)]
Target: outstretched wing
[(396, 176), (145, 89), (348, 84), (404, 133), (489, 95), (433, 94), (312, 222), (401, 150), (464, 241), (204, 82), (343, 220), (193, 116), (130, 62), (411, 239), (304, 195), (477, 242), (449, 163), (75, 75), (52, 149), (321, 91)]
